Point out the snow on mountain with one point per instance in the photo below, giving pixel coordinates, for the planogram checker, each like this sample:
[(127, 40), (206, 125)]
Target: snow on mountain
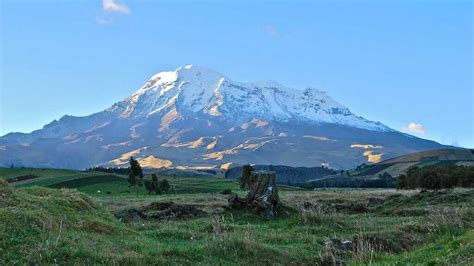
[(200, 90), (196, 117)]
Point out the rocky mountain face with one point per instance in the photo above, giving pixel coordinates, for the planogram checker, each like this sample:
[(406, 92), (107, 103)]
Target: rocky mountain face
[(194, 117)]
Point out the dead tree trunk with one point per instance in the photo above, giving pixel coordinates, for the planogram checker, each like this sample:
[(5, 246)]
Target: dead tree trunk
[(262, 196)]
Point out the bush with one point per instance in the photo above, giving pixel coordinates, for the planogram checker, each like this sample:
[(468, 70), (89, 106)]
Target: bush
[(165, 185), (153, 186), (226, 191)]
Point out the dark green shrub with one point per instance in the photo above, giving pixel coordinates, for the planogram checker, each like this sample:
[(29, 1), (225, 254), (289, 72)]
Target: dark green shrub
[(437, 177), (165, 186), (226, 191)]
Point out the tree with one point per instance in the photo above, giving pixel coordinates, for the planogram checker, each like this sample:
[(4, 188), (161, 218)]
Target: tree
[(135, 175), (402, 182), (246, 176), (149, 186), (153, 186), (165, 185)]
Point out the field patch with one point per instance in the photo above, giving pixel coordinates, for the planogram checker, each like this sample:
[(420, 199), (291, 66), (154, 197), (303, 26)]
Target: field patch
[(89, 180)]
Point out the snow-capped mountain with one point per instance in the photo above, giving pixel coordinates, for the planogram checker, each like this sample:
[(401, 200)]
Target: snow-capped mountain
[(196, 117), (198, 90)]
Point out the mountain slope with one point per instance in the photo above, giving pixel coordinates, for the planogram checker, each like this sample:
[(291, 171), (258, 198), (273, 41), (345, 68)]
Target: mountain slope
[(195, 117)]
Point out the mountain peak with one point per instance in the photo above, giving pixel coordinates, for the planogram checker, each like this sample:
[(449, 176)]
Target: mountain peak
[(198, 90), (194, 69), (184, 73)]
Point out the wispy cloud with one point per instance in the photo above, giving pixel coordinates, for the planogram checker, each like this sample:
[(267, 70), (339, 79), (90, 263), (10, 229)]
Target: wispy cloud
[(271, 30), (109, 8), (103, 20), (415, 128), (275, 32), (113, 6)]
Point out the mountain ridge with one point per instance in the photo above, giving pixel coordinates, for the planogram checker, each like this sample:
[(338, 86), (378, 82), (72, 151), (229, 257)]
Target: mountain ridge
[(194, 116), (199, 89)]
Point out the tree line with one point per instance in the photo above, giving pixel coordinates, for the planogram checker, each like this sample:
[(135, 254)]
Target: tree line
[(437, 177), (384, 180), (112, 170)]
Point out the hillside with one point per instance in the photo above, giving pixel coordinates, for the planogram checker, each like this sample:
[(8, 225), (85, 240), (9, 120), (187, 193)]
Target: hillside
[(459, 155), (197, 117), (62, 226), (397, 166)]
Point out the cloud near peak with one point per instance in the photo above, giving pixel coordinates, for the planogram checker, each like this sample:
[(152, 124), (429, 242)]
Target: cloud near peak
[(113, 6), (415, 128)]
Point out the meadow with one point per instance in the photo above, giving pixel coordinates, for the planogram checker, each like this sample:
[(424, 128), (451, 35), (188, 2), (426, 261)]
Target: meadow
[(89, 222)]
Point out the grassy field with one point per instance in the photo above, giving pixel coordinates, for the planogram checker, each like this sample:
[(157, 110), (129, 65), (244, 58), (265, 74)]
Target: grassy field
[(99, 184), (328, 226), (43, 176)]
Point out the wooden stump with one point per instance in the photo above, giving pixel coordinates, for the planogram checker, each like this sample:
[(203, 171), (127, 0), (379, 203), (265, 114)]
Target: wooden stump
[(262, 196)]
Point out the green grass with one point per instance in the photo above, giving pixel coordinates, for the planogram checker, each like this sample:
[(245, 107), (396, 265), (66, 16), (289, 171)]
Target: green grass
[(446, 250), (58, 226), (47, 177), (119, 188), (43, 225), (42, 172), (113, 185), (87, 181)]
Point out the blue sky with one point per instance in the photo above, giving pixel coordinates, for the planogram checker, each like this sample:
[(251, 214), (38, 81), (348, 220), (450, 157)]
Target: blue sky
[(408, 64)]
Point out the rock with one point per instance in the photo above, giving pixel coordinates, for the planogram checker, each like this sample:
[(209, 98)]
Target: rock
[(339, 245)]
